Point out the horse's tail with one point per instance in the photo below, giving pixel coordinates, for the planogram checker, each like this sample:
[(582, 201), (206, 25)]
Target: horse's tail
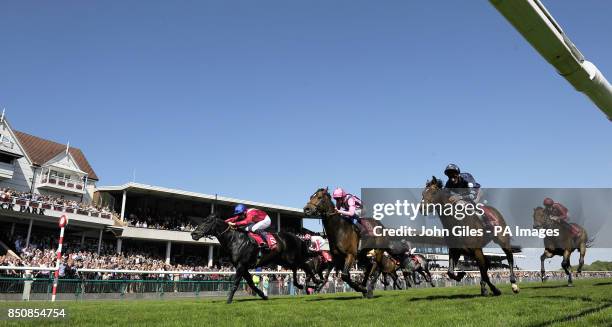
[(589, 242)]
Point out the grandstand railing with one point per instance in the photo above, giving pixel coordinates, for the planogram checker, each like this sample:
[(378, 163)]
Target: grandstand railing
[(39, 207), (126, 284)]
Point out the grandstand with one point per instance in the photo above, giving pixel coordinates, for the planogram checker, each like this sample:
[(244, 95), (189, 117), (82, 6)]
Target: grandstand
[(42, 180)]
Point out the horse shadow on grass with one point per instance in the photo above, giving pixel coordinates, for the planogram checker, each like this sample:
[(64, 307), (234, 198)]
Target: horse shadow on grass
[(254, 299), (564, 298), (445, 297), (603, 284), (341, 298), (573, 317), (547, 286)]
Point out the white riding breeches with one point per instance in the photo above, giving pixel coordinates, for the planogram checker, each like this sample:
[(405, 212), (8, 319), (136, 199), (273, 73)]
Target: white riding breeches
[(260, 225)]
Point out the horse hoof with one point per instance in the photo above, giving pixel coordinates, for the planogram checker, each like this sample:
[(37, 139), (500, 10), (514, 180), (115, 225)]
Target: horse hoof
[(370, 295), (515, 289), (496, 292), (570, 285)]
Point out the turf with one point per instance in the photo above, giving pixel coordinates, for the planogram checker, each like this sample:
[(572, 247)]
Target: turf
[(589, 302)]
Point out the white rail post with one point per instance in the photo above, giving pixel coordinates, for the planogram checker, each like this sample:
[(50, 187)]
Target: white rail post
[(63, 221)]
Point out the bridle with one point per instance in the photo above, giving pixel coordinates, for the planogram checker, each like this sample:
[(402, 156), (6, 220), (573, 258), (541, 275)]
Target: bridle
[(327, 214)]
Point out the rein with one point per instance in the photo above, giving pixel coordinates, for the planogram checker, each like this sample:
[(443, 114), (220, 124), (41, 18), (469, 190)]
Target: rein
[(223, 232)]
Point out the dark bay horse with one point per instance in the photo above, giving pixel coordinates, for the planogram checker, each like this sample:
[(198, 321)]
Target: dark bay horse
[(343, 240), (291, 252), (562, 245), (470, 246), (320, 269)]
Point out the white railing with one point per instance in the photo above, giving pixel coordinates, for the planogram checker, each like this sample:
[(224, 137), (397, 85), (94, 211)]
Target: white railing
[(28, 268), (38, 207), (63, 182), (188, 272)]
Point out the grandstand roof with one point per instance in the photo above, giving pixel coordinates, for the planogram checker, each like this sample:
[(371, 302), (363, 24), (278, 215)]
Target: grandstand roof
[(144, 188), (40, 151)]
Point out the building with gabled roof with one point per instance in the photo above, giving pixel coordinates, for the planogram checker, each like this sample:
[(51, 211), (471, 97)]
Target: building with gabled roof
[(32, 164)]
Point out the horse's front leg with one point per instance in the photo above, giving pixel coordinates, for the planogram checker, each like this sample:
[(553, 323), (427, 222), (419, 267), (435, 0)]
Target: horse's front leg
[(346, 274), (582, 249), (510, 257), (566, 266), (237, 278), (483, 266), (543, 257), (453, 258), (372, 278)]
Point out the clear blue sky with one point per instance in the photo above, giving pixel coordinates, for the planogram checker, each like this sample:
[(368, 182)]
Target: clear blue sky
[(268, 100)]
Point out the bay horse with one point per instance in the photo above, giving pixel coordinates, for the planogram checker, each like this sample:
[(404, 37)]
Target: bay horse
[(470, 246), (343, 240), (388, 268), (563, 244), (291, 252)]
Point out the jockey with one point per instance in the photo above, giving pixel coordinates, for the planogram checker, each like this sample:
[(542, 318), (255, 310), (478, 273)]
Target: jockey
[(320, 245), (462, 186), (555, 210), (255, 220), (347, 205)]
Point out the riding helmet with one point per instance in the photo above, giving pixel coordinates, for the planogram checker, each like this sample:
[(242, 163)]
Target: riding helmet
[(239, 209), (451, 168)]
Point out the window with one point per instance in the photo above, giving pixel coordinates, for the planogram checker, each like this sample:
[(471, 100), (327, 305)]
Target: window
[(6, 159)]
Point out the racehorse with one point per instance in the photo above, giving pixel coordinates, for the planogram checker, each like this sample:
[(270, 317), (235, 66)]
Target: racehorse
[(319, 267), (343, 240), (413, 264), (388, 268), (563, 244), (291, 252), (471, 246)]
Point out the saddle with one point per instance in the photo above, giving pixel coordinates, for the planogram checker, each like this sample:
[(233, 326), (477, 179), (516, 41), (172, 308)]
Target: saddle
[(367, 226), (270, 240), (416, 260), (489, 218), (575, 230)]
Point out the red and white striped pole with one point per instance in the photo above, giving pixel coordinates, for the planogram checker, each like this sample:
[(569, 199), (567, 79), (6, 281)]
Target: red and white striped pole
[(63, 221)]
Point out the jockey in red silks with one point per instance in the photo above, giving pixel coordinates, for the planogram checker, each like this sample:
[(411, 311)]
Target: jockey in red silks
[(347, 205), (255, 220), (555, 210)]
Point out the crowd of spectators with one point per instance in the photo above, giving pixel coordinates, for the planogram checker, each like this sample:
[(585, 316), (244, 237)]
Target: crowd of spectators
[(38, 204), (176, 222)]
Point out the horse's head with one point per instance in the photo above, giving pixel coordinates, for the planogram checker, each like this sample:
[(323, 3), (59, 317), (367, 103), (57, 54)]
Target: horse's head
[(206, 228), (430, 193), (539, 218), (319, 204)]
